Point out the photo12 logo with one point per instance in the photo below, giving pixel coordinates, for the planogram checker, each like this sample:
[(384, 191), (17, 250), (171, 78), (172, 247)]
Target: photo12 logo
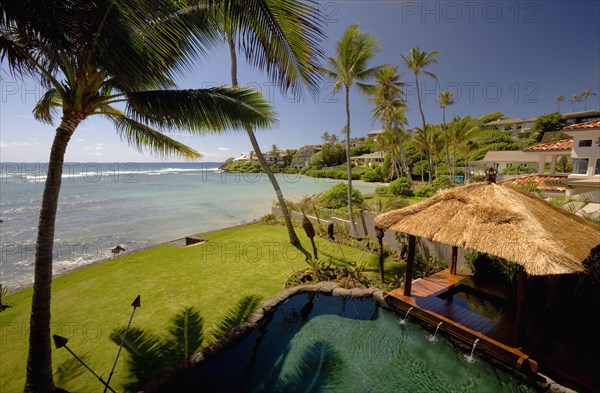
[(470, 11)]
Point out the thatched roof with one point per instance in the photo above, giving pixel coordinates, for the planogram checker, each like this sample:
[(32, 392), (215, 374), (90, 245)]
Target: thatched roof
[(501, 221)]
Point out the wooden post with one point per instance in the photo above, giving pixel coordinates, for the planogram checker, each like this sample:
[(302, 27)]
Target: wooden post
[(409, 265), (453, 262), (521, 307)]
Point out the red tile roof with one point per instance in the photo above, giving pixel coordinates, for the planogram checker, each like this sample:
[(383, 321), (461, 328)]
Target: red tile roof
[(565, 144), (544, 183), (587, 124)]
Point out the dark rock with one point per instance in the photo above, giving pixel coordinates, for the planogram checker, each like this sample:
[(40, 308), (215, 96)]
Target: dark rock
[(118, 249)]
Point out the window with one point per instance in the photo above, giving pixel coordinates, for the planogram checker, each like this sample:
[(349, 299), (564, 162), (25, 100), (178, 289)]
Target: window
[(597, 170), (580, 166), (585, 143)]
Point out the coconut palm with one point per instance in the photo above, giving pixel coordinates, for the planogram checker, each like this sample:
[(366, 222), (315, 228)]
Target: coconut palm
[(110, 59), (460, 131), (559, 98), (281, 37), (389, 108), (573, 100), (325, 137), (586, 93), (444, 99), (416, 60), (350, 64)]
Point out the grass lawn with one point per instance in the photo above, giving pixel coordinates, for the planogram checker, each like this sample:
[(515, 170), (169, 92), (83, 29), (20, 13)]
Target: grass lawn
[(88, 303)]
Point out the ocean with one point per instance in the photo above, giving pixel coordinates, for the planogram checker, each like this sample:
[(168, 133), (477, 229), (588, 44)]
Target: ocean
[(136, 205)]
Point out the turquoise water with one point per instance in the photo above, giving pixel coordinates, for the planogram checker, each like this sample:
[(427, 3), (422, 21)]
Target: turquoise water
[(133, 204), (329, 344)]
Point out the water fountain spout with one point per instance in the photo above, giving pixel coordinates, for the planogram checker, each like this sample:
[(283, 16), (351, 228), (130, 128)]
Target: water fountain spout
[(470, 358), (402, 322), (436, 330)]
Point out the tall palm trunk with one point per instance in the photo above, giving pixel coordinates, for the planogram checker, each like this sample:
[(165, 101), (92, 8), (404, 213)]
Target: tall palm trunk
[(403, 157), (350, 212), (453, 162), (446, 135), (425, 142), (39, 362), (261, 159)]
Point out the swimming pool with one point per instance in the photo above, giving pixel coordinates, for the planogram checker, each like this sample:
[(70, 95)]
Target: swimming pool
[(321, 343)]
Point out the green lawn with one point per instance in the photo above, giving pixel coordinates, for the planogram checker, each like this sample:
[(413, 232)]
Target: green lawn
[(88, 303)]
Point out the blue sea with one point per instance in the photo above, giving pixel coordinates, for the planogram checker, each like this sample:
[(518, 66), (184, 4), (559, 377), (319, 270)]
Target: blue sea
[(136, 205)]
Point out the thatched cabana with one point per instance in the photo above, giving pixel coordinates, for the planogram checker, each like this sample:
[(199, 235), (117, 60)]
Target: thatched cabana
[(501, 221)]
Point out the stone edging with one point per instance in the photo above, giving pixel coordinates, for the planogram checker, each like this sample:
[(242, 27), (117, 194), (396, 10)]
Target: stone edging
[(269, 306), (327, 288)]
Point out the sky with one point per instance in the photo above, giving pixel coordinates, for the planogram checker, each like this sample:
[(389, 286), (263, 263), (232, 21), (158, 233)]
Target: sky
[(509, 56)]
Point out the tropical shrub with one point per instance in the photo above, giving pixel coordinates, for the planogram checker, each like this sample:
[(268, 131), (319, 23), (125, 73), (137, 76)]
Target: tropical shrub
[(269, 218), (424, 192), (401, 186), (382, 190), (442, 182), (372, 175), (3, 294), (519, 169), (337, 196)]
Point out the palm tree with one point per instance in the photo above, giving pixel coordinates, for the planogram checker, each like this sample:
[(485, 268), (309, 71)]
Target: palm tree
[(386, 95), (586, 93), (573, 100), (274, 149), (333, 139), (325, 137), (460, 131), (353, 53), (93, 56), (416, 60), (251, 155), (559, 98), (444, 99), (283, 37)]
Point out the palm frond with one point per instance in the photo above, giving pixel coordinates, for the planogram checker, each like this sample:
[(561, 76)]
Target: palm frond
[(282, 37), (186, 334), (143, 137), (242, 310), (45, 108), (201, 110), (145, 350)]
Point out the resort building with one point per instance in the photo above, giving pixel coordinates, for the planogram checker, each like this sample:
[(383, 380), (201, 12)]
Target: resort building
[(585, 177), (302, 157), (373, 135), (503, 160), (279, 157), (550, 151), (580, 117), (368, 159), (515, 127)]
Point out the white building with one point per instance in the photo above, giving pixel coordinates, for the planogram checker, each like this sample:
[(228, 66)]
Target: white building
[(585, 177)]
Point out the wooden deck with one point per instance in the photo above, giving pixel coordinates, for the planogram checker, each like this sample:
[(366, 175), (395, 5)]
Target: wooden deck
[(457, 321)]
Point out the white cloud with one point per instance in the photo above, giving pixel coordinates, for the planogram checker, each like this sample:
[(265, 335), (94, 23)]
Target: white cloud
[(206, 154), (80, 140), (224, 149), (95, 153), (5, 145)]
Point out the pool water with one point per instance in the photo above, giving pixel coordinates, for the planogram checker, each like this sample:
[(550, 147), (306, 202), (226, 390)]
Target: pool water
[(328, 344)]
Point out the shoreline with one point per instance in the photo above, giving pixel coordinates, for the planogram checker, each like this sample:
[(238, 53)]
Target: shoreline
[(125, 254)]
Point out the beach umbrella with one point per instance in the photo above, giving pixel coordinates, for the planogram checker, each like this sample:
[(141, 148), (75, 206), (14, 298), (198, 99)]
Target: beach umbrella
[(501, 221)]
